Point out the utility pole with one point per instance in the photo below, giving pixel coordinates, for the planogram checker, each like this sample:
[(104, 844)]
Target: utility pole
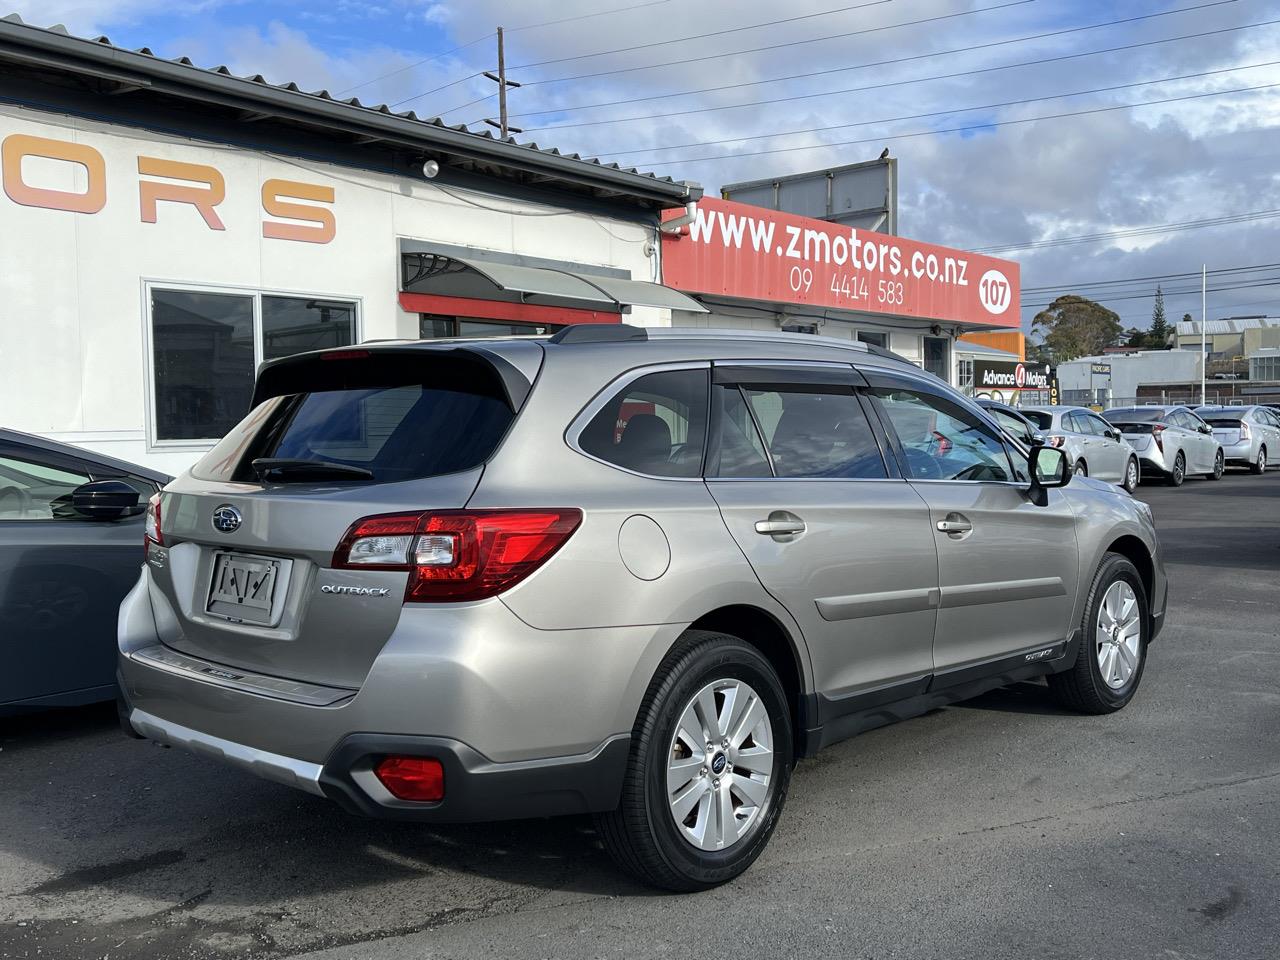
[(1204, 325), (501, 80)]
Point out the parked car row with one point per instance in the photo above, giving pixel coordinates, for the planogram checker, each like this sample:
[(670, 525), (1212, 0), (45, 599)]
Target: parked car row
[(1125, 444)]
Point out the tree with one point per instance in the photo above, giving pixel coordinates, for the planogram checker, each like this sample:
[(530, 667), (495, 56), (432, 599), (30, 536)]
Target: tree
[(1158, 335), (1135, 339), (1075, 326)]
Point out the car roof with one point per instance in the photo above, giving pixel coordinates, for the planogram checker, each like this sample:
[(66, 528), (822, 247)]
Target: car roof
[(71, 450)]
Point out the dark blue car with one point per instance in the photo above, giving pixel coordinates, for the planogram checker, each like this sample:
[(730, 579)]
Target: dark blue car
[(70, 547)]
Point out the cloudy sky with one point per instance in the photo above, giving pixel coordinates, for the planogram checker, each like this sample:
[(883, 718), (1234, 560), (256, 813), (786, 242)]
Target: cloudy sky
[(968, 94)]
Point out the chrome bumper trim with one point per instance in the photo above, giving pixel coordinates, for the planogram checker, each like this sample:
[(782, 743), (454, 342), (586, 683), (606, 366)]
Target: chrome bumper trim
[(270, 766)]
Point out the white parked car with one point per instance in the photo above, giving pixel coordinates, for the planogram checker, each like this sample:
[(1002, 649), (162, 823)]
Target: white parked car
[(1094, 446), (1250, 436), (1171, 441)]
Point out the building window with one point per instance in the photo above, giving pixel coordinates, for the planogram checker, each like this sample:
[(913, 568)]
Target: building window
[(964, 375), (935, 357), (874, 338), (206, 345), (432, 327)]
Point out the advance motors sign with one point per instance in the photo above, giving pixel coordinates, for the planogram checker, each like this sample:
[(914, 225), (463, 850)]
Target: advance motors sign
[(1009, 375)]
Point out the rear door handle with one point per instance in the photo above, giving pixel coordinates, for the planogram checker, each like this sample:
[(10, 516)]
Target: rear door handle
[(781, 524), (954, 524)]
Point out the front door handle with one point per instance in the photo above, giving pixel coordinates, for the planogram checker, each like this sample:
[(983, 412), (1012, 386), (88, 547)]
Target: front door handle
[(781, 524), (954, 524)]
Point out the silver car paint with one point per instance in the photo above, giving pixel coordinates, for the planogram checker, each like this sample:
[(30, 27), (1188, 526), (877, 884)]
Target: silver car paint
[(1264, 435), (558, 665), (1197, 448), (1104, 458)]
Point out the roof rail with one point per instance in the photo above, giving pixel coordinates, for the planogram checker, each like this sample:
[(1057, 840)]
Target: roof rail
[(599, 333)]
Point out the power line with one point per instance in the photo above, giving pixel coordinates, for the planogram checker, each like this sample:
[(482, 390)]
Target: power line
[(964, 129), (778, 46), (941, 113), (1159, 277), (703, 36), (1130, 232), (491, 34), (418, 63), (1268, 282), (878, 63), (899, 83)]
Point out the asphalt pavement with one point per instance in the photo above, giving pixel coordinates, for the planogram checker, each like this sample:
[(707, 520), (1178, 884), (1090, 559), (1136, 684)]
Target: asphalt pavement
[(999, 827)]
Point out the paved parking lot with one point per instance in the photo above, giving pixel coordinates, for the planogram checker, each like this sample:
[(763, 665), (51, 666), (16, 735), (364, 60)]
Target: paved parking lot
[(1001, 827)]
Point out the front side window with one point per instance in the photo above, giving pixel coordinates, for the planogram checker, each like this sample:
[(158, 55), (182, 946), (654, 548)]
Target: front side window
[(656, 425), (815, 433), (940, 439), (207, 345), (31, 489)]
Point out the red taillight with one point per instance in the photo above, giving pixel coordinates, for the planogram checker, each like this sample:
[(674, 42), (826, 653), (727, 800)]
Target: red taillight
[(1244, 431), (151, 530), (1156, 430), (412, 778), (455, 555)]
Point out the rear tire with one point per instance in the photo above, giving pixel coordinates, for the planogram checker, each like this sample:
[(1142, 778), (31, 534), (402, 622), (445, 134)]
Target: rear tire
[(1132, 476), (1219, 464), (644, 835), (1082, 468), (1085, 687), (1261, 465), (1179, 472)]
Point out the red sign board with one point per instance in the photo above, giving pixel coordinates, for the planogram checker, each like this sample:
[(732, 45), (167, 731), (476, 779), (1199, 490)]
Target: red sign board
[(751, 253)]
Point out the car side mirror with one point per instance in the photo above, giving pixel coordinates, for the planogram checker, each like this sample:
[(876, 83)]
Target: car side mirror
[(1048, 468), (106, 500), (1037, 440), (1112, 434), (1205, 428)]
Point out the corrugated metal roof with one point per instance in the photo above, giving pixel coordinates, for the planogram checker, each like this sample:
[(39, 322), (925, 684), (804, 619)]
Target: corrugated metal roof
[(1191, 328), (122, 65)]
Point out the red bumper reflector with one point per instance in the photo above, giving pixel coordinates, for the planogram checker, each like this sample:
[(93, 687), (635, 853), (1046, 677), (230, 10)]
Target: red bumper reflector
[(412, 778)]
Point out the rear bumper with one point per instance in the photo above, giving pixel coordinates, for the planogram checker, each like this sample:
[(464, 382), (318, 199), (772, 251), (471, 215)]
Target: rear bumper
[(526, 722), (1244, 452), (476, 788)]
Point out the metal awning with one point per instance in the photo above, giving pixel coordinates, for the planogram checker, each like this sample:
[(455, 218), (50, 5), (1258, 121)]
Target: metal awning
[(480, 279)]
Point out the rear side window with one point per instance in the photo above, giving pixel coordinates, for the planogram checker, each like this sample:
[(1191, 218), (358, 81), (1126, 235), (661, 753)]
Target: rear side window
[(656, 425), (1042, 420), (400, 418)]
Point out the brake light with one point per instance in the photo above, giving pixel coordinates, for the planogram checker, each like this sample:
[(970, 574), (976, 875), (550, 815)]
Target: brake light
[(455, 555), (411, 778), (344, 355), (1156, 430), (151, 530), (1244, 431), (1057, 441)]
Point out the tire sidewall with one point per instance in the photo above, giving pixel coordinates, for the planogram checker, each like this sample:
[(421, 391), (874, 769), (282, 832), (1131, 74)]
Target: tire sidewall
[(1114, 568), (1175, 476), (1131, 470), (730, 659)]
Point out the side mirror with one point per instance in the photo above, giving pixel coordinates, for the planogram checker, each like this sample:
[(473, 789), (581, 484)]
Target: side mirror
[(1049, 468), (1205, 428), (1037, 440), (1112, 434), (106, 500)]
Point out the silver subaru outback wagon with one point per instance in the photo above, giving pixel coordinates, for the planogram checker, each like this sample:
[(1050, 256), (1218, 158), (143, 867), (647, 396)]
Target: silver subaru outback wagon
[(623, 572)]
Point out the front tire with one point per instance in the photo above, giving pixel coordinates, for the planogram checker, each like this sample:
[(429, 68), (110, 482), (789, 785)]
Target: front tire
[(1261, 465), (1131, 475), (1179, 472), (1219, 464), (710, 764), (1115, 631)]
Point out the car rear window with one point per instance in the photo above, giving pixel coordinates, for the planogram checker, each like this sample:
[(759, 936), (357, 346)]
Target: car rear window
[(1134, 415), (1041, 419), (1224, 422), (399, 418)]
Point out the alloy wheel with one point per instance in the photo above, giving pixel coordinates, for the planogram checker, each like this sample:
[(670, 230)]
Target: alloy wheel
[(720, 764), (1119, 634), (1131, 476), (1179, 469)]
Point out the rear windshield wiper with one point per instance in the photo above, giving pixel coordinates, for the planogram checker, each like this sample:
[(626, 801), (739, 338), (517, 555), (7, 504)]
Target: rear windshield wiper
[(288, 470)]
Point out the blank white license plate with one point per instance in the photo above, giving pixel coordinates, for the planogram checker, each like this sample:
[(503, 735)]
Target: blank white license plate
[(243, 587)]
